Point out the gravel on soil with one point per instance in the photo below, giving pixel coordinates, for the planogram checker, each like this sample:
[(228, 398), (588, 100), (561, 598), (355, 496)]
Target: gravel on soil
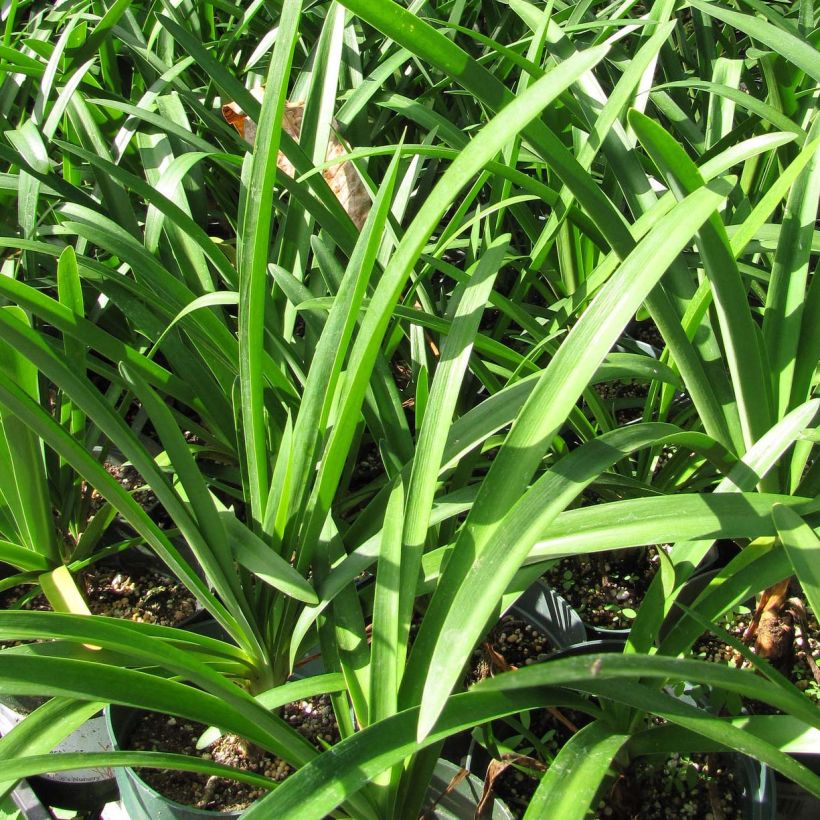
[(511, 643)]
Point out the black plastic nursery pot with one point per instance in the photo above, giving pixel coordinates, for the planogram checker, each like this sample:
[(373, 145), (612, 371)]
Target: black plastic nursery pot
[(759, 788), (794, 802), (545, 610), (141, 802)]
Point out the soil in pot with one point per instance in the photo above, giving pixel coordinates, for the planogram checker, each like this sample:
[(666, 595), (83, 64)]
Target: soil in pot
[(511, 643), (312, 717), (129, 479), (138, 593), (646, 331), (705, 787), (606, 588), (624, 399), (144, 595)]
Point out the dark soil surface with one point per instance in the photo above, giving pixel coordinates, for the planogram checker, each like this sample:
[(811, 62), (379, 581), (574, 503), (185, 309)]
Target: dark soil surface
[(312, 717), (625, 399), (702, 787), (138, 594), (606, 588), (647, 331), (368, 466), (130, 480), (144, 596), (511, 643)]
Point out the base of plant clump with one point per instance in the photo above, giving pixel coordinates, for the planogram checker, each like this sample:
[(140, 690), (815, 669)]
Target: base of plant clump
[(165, 793)]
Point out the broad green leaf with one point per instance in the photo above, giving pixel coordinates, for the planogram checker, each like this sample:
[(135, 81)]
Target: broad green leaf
[(258, 557), (787, 291), (23, 480), (230, 706), (803, 548), (575, 776), (738, 330)]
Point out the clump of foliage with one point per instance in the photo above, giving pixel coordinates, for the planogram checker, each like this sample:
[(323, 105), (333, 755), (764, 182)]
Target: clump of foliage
[(415, 402)]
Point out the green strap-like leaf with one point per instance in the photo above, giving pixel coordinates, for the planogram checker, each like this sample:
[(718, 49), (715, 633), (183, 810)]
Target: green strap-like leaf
[(224, 704), (23, 482), (574, 777), (738, 331), (803, 548), (254, 239), (258, 557)]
